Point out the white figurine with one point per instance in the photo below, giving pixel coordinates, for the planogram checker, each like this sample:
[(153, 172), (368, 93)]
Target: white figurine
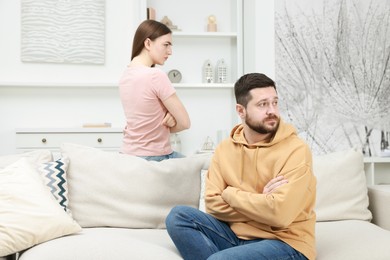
[(208, 72), (221, 71)]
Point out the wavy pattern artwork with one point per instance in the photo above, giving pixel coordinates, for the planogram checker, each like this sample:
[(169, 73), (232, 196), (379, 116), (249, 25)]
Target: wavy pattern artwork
[(63, 31), (333, 71)]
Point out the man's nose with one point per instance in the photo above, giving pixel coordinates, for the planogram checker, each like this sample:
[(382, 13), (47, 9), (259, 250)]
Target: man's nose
[(271, 109)]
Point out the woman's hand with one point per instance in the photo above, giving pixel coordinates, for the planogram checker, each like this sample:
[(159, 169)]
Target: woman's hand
[(169, 120), (178, 112)]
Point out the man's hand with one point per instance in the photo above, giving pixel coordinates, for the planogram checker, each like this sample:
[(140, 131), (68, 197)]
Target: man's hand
[(169, 120), (273, 184)]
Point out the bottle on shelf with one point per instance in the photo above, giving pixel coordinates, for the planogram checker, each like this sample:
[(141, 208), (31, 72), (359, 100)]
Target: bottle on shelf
[(383, 141)]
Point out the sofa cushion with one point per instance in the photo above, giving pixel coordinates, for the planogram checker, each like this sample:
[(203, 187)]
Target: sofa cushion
[(107, 243), (351, 239), (341, 186), (29, 213), (37, 156), (119, 190)]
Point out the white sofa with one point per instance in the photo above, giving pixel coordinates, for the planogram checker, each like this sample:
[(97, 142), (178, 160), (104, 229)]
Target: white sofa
[(116, 206)]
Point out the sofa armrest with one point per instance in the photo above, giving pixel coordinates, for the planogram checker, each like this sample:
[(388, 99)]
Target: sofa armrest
[(379, 197)]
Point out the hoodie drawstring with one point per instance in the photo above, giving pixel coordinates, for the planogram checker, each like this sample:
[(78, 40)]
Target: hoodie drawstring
[(242, 164), (255, 160)]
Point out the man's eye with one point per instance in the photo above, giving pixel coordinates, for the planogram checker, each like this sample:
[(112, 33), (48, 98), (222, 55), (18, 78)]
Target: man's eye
[(262, 104)]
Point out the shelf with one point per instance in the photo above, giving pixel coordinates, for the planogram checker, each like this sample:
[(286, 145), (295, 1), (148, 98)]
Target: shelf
[(204, 34), (193, 44), (59, 84), (377, 159), (377, 170), (203, 85), (103, 85)]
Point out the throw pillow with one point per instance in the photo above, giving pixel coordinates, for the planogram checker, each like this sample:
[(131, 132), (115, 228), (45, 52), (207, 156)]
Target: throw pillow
[(54, 177), (119, 190), (29, 214), (341, 186), (202, 205), (37, 156)]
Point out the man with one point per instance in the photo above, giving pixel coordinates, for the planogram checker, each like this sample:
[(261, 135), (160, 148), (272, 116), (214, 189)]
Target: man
[(260, 189)]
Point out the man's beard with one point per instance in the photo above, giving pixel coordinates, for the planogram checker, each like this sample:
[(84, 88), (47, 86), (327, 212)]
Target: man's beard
[(260, 127)]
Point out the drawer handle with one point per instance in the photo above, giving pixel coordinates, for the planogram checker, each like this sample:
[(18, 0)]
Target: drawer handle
[(44, 140), (99, 140)]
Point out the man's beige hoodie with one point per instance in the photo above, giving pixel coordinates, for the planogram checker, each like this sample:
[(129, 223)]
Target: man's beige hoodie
[(236, 178)]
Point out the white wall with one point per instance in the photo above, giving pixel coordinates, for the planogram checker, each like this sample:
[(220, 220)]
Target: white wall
[(259, 50), (34, 107)]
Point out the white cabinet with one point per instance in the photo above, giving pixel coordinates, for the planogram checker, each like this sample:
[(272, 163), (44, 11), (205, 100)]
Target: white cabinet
[(377, 170), (28, 139), (193, 44)]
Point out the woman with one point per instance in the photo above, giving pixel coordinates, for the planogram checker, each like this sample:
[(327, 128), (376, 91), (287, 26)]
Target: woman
[(153, 110)]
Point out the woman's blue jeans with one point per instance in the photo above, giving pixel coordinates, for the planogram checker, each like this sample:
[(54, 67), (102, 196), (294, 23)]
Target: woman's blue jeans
[(160, 158), (198, 236)]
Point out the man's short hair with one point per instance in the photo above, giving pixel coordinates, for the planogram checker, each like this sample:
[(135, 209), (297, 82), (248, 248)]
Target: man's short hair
[(247, 82)]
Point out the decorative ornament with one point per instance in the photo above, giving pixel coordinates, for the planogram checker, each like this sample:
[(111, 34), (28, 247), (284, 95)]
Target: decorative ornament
[(208, 144), (208, 72), (169, 23), (174, 76), (221, 70), (212, 24)]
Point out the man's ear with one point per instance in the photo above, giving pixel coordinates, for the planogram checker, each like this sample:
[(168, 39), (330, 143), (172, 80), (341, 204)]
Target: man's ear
[(240, 111)]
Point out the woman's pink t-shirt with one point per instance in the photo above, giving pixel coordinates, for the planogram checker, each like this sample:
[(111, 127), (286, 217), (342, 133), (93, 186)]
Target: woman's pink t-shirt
[(142, 90)]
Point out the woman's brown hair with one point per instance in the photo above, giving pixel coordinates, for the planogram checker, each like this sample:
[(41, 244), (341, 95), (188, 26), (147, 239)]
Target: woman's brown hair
[(147, 29)]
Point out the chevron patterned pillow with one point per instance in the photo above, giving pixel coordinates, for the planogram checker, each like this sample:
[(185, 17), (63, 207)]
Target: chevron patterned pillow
[(54, 176)]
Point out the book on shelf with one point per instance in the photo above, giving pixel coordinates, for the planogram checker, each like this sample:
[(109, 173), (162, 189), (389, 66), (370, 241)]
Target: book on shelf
[(96, 125)]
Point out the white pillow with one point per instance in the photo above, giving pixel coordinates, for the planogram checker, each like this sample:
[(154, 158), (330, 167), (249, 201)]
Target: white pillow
[(29, 213), (341, 186), (118, 190), (36, 156)]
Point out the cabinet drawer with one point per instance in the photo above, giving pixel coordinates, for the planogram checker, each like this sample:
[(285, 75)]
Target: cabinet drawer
[(54, 140)]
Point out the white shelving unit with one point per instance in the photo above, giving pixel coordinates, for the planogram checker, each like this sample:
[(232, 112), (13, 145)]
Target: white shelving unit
[(193, 45), (377, 170)]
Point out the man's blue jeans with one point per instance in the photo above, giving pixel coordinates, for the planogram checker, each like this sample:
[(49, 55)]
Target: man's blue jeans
[(198, 236)]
